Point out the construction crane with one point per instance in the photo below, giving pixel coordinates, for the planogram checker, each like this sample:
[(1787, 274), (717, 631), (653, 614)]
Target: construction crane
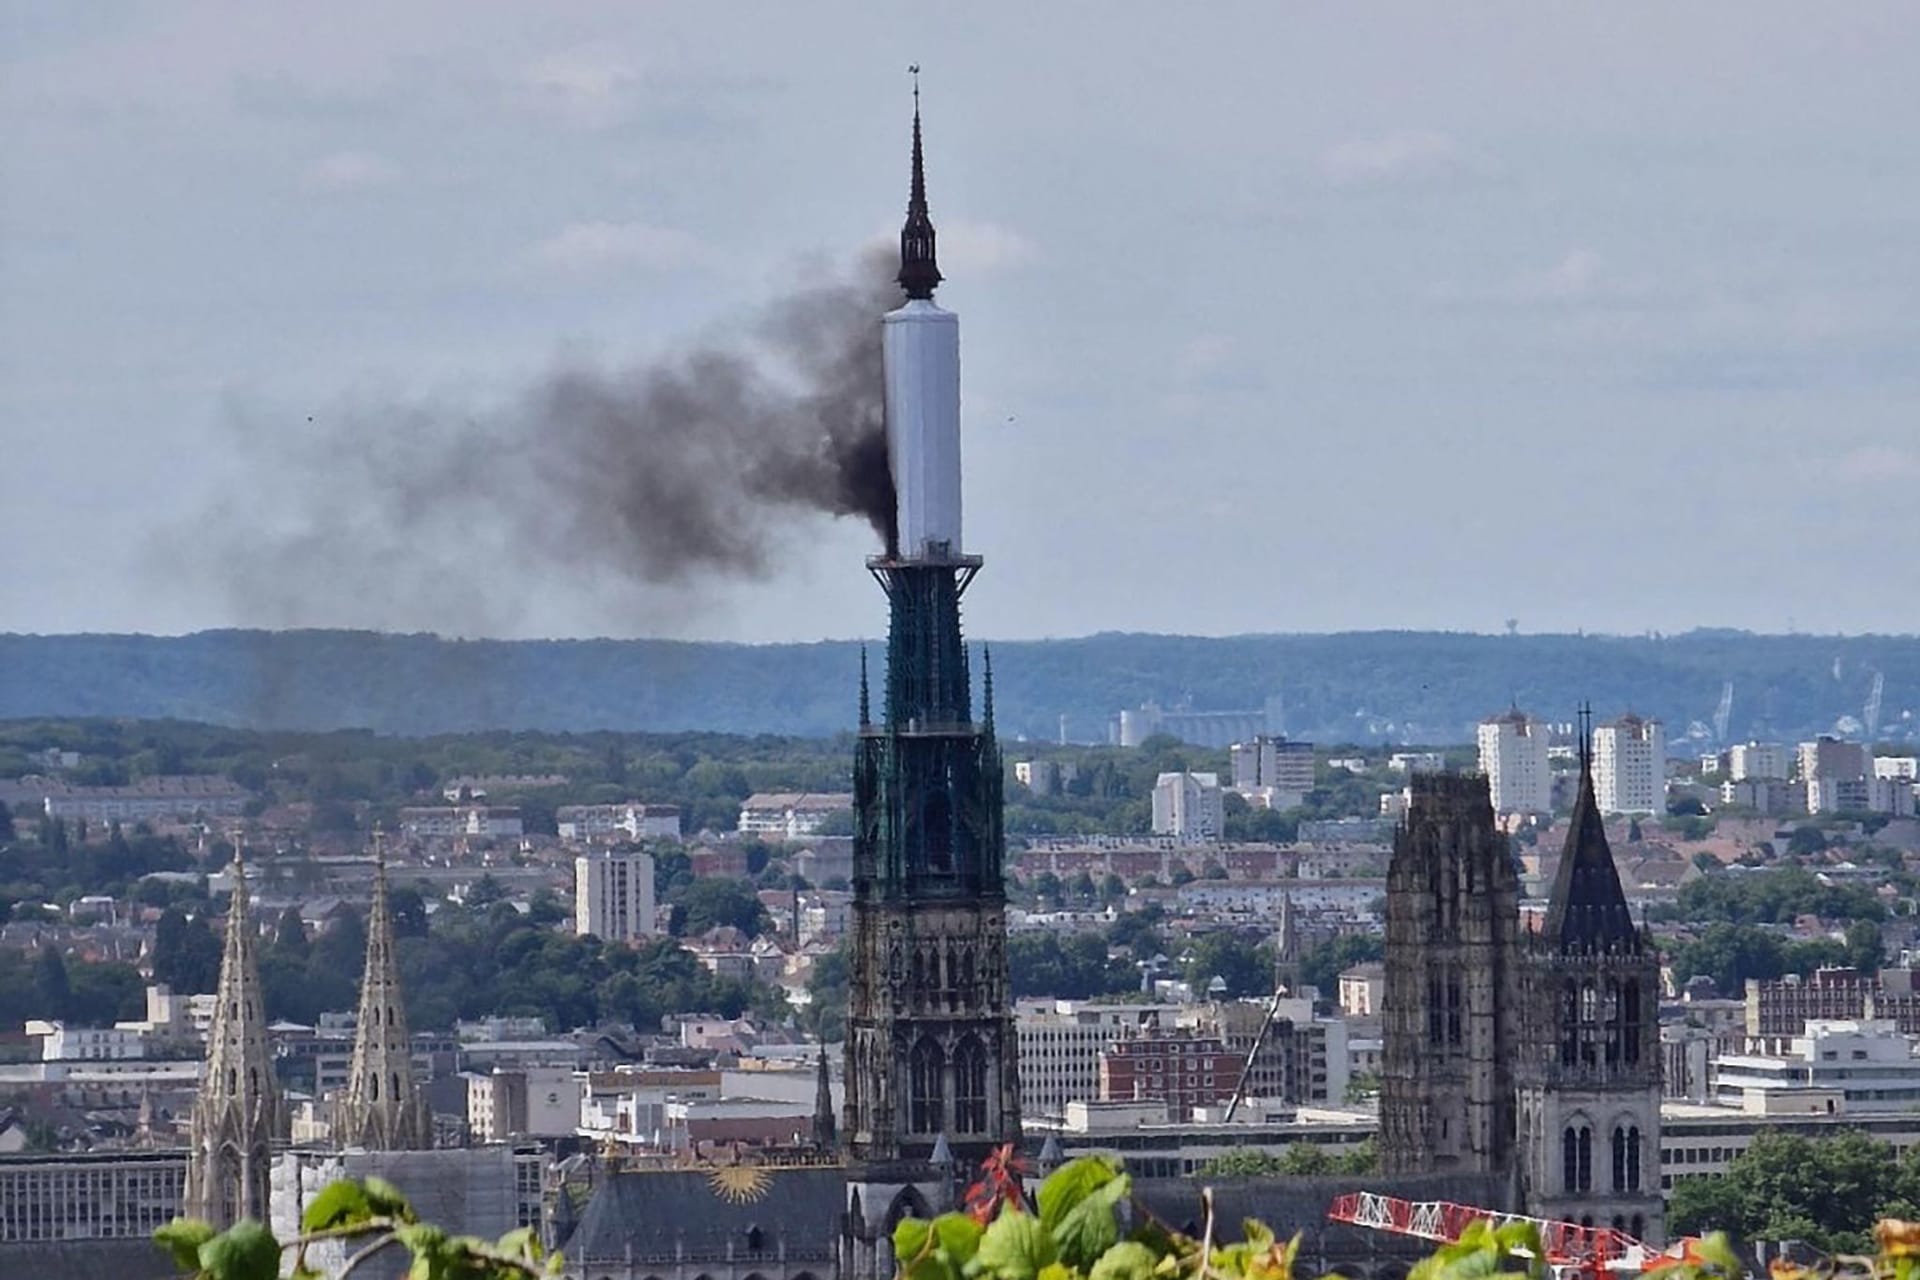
[(1723, 714), (1567, 1247)]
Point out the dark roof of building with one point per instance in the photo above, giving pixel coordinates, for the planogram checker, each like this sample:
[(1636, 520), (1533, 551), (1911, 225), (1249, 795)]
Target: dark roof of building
[(135, 1259), (706, 1212), (1588, 911)]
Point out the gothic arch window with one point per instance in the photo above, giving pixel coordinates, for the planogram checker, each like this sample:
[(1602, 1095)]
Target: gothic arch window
[(1453, 1010), (373, 1087), (1436, 1012), (1619, 1157), (1589, 1023), (1639, 1226), (1614, 1022), (1576, 1157), (926, 1064), (1633, 1157), (393, 1086), (970, 1086)]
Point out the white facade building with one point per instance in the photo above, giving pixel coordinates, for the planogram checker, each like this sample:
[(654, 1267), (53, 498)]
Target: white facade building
[(1757, 760), (613, 896), (61, 1043), (1513, 755), (1189, 805), (1045, 777), (633, 820), (1060, 1046), (1907, 767), (790, 815), (1630, 766), (1866, 1062)]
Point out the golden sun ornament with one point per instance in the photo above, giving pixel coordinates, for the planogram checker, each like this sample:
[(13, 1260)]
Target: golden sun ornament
[(740, 1183)]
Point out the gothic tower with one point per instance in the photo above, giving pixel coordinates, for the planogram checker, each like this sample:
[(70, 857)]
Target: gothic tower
[(382, 1110), (1589, 1069), (932, 1082), (1447, 1099), (236, 1116)]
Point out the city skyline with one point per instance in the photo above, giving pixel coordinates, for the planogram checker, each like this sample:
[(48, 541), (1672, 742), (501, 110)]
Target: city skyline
[(1428, 324)]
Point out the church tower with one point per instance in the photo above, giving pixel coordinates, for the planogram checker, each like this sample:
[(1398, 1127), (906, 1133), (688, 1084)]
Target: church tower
[(1451, 1030), (1589, 1073), (382, 1110), (236, 1116), (932, 1079)]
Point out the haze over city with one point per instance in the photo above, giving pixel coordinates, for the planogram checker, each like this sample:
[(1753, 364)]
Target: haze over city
[(1275, 320)]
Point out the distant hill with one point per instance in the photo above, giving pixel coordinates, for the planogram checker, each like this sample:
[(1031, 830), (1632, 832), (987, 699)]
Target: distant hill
[(1359, 686)]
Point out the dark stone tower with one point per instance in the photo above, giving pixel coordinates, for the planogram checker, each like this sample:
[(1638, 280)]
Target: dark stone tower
[(1589, 1069), (1447, 1093), (932, 1079)]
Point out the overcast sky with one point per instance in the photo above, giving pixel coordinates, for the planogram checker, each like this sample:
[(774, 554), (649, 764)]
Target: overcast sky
[(1275, 317)]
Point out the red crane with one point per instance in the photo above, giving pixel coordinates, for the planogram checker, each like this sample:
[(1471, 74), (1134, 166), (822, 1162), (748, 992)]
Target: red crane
[(1598, 1252)]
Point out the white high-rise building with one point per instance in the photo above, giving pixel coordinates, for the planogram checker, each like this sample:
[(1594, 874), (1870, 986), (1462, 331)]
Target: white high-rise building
[(613, 896), (1757, 760), (1513, 755), (1189, 805), (1630, 765)]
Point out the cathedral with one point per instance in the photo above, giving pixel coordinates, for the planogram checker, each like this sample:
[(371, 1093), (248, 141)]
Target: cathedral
[(1529, 1056)]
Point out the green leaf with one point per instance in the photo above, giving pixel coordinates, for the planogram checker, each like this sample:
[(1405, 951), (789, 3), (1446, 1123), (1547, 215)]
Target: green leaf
[(182, 1238), (1128, 1260), (1015, 1247), (912, 1237), (339, 1204), (521, 1243), (1091, 1226), (959, 1236), (386, 1201), (245, 1251), (1071, 1183)]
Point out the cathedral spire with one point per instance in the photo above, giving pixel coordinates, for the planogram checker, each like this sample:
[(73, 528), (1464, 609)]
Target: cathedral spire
[(1588, 910), (919, 273), (236, 1115), (866, 705), (382, 1111), (823, 1126)]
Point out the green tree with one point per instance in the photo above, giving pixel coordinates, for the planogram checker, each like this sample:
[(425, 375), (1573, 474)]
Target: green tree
[(1825, 1191), (51, 989), (1247, 970), (1073, 966), (1322, 965), (186, 955), (700, 905)]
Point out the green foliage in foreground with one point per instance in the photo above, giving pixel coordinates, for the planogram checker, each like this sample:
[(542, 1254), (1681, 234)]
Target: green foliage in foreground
[(375, 1219), (1301, 1160)]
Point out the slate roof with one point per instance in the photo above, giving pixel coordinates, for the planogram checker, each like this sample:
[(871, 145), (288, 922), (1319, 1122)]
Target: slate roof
[(1588, 911), (706, 1212)]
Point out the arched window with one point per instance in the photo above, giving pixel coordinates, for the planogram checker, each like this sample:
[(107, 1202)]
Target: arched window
[(925, 1113), (1639, 1226), (393, 1082), (1576, 1158), (970, 1087), (1453, 1010), (1619, 1158), (1614, 1022), (1630, 1021), (373, 1087), (1633, 1158), (1436, 1012), (1589, 1019)]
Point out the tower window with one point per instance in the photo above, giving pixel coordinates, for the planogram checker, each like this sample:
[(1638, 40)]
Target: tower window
[(970, 1087), (925, 1111), (1576, 1158), (1630, 1020)]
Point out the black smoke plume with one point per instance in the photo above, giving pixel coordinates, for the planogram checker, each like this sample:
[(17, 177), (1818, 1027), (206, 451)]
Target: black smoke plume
[(661, 475)]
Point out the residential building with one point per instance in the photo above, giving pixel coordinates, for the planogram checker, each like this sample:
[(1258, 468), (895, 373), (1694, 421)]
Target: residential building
[(1762, 795), (613, 896), (1630, 766), (1182, 1070), (1778, 1011), (1907, 767), (631, 820), (1513, 755), (790, 815), (446, 821), (1416, 762), (1276, 768), (1829, 757), (1188, 806), (1301, 1058), (528, 1101), (62, 1043), (1363, 990), (1758, 760), (165, 796), (1061, 1042)]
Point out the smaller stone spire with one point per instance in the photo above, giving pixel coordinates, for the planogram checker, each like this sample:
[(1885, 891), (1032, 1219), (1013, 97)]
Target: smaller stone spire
[(823, 1126), (382, 1111), (986, 690), (237, 1113), (919, 273), (866, 705)]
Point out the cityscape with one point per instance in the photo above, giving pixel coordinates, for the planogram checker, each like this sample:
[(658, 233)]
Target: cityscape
[(651, 997)]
